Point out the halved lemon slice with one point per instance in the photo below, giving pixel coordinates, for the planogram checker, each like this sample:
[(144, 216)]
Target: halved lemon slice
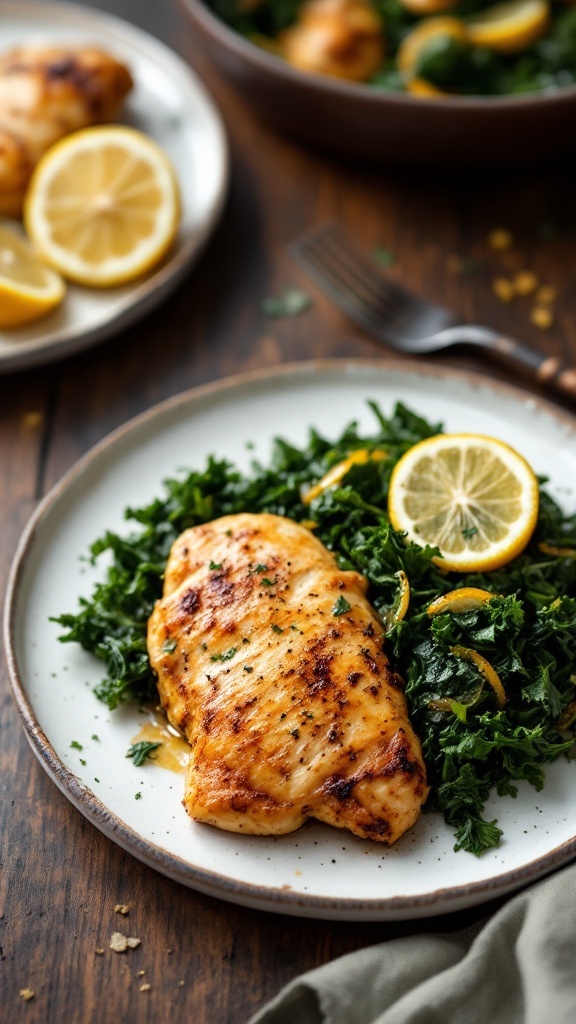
[(103, 205), (472, 496), (28, 289), (510, 27)]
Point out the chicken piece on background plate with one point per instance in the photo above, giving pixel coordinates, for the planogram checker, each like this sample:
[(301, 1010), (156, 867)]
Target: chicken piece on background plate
[(271, 660), (46, 93)]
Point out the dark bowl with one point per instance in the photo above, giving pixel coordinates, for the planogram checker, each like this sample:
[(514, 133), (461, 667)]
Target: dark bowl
[(361, 122)]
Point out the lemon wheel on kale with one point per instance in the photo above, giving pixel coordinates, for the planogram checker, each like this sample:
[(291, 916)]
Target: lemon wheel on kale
[(473, 497)]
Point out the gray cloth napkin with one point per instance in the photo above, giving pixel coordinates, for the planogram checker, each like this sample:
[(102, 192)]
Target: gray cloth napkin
[(517, 967)]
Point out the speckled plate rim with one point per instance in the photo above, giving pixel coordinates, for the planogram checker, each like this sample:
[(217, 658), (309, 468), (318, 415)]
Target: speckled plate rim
[(274, 899), (144, 295)]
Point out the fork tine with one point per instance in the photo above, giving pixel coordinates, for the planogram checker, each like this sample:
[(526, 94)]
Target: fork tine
[(401, 320), (329, 272), (357, 262), (346, 298), (329, 249), (357, 286), (349, 280)]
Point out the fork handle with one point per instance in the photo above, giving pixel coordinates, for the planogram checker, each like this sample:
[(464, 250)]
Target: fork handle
[(548, 370), (552, 371)]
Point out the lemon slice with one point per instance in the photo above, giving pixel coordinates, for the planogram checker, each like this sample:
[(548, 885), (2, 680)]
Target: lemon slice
[(510, 27), (465, 599), (421, 36), (357, 458), (423, 7), (472, 496), (102, 206), (399, 609), (486, 671), (420, 87), (28, 289), (556, 552)]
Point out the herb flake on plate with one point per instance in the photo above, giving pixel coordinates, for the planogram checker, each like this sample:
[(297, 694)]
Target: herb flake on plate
[(139, 752), (290, 302)]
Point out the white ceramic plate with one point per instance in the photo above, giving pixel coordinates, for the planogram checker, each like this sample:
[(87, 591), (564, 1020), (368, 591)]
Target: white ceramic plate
[(318, 871), (170, 104)]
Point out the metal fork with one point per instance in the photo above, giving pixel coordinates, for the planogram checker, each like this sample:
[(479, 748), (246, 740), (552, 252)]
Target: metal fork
[(403, 321)]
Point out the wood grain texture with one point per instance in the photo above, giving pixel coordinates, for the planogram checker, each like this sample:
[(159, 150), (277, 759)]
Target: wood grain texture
[(208, 961)]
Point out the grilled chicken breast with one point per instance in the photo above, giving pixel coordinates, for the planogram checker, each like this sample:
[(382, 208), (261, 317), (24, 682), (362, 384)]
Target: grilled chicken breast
[(271, 660), (45, 93), (344, 38)]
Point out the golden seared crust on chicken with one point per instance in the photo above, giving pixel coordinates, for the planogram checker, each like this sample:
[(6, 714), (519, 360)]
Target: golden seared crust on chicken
[(271, 660), (344, 38), (46, 93)]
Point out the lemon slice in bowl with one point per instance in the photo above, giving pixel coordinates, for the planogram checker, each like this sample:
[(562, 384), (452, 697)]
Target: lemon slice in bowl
[(473, 497), (510, 27), (103, 205), (424, 32), (28, 289)]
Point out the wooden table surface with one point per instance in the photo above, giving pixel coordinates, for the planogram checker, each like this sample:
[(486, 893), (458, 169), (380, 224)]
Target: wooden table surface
[(208, 961)]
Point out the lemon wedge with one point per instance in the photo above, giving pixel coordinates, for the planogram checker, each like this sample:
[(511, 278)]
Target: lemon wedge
[(28, 289), (510, 27), (473, 497), (103, 205)]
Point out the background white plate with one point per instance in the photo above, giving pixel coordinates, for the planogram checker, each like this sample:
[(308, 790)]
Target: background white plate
[(170, 104), (318, 871)]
